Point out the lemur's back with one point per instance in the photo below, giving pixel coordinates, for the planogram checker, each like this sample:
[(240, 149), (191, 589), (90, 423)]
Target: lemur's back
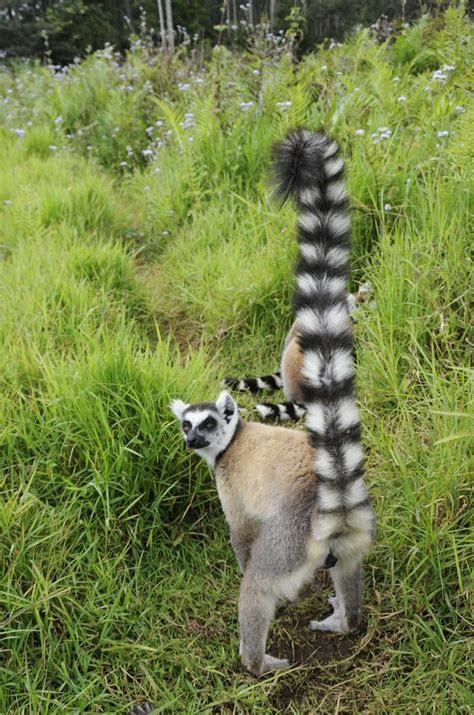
[(268, 466)]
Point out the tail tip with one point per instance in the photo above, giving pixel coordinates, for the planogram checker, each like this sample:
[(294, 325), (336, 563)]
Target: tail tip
[(298, 159)]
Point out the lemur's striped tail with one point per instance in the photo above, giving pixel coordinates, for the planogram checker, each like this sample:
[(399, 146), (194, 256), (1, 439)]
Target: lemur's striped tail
[(254, 384), (309, 169), (281, 411), (142, 708)]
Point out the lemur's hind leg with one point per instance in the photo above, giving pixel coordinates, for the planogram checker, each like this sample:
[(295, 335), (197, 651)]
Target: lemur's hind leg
[(256, 610), (281, 411), (254, 384), (347, 604)]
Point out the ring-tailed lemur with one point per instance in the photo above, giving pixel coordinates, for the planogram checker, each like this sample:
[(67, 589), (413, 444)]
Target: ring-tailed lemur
[(296, 505), (288, 378)]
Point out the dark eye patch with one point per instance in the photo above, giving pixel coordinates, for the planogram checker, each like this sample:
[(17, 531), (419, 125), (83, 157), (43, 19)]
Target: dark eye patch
[(210, 423), (186, 426)]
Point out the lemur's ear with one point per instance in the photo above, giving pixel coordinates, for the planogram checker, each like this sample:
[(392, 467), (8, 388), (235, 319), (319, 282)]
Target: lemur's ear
[(226, 405), (177, 408)]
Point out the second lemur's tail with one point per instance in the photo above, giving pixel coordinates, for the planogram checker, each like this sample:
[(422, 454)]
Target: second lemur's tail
[(308, 168), (254, 384)]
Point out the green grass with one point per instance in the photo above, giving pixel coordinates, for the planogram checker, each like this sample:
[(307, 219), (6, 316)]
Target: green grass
[(125, 285)]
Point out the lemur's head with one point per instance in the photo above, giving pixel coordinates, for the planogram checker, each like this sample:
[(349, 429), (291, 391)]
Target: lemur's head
[(208, 427)]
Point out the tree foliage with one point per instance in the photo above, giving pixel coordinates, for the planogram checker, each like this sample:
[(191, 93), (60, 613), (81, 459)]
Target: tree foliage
[(64, 29)]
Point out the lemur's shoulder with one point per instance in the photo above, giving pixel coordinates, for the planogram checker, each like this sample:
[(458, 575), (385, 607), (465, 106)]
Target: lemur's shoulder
[(263, 468)]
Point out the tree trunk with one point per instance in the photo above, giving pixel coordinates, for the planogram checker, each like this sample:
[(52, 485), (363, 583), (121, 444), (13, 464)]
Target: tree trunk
[(228, 18), (250, 7), (169, 23), (273, 9), (162, 25)]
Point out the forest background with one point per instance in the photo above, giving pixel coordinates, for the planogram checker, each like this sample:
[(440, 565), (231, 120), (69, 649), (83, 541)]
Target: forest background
[(65, 29)]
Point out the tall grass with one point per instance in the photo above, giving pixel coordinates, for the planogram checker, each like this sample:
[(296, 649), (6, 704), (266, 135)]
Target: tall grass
[(140, 259)]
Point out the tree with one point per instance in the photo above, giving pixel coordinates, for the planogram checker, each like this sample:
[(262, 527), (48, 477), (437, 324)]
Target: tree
[(169, 23), (162, 25)]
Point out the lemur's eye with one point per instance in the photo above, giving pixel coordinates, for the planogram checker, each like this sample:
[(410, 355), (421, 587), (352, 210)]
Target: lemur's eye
[(210, 423), (186, 426)]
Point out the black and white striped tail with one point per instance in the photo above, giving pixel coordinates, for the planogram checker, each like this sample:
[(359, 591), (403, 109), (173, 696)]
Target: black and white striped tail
[(308, 168), (281, 411), (142, 709), (254, 384)]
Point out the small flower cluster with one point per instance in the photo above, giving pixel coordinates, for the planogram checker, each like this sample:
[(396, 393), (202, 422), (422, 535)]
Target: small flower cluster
[(442, 74), (188, 122), (245, 106), (381, 134)]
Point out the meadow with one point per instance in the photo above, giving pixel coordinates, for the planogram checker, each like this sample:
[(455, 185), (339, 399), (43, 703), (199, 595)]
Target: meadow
[(141, 258)]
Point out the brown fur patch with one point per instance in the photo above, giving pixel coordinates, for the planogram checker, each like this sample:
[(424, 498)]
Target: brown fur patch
[(262, 469), (291, 365)]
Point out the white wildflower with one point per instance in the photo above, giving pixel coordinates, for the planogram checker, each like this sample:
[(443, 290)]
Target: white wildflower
[(245, 106), (146, 189), (387, 207), (360, 132), (183, 87), (449, 68), (283, 105), (396, 79), (148, 152), (53, 147), (123, 163), (443, 133), (19, 132), (7, 202), (459, 109), (58, 120), (402, 98), (150, 130)]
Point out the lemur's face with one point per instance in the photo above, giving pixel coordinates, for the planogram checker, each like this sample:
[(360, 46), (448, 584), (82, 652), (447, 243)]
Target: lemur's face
[(207, 427)]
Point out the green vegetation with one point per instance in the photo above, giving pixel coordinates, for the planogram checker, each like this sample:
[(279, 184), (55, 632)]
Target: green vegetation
[(61, 30), (142, 259)]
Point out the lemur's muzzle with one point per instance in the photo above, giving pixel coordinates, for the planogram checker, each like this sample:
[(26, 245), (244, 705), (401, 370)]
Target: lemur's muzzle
[(194, 440)]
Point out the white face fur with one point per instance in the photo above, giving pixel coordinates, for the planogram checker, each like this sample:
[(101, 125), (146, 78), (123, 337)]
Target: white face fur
[(208, 427)]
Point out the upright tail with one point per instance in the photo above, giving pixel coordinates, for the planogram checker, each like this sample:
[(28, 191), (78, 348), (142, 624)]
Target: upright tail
[(308, 168)]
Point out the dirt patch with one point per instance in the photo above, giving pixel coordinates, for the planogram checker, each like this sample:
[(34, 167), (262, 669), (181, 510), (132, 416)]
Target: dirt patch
[(324, 658)]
